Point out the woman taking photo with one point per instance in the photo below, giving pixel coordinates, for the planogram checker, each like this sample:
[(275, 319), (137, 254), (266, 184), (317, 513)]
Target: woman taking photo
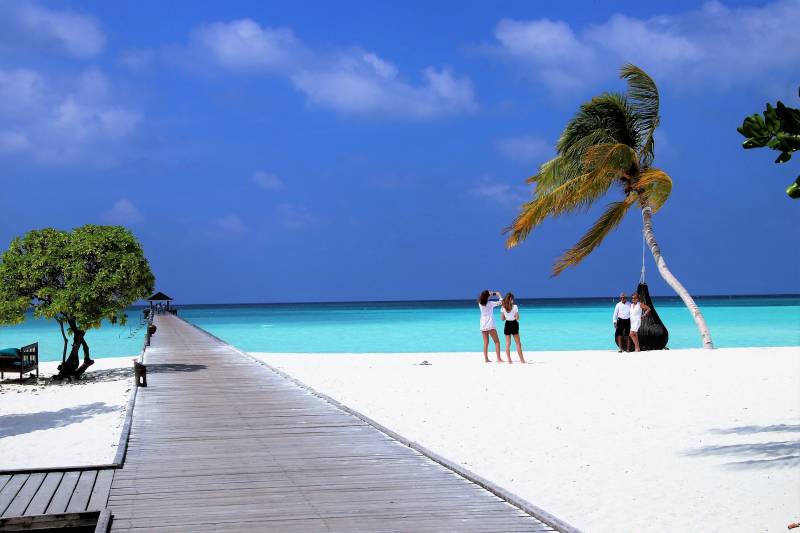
[(510, 313), (487, 322), (638, 310)]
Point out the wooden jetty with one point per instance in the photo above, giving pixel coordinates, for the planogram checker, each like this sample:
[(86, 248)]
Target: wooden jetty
[(220, 442), (54, 492)]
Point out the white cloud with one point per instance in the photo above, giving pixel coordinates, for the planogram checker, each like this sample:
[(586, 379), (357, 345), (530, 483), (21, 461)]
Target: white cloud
[(28, 25), (243, 44), (359, 82), (548, 50), (350, 81), (714, 46), (525, 149), (229, 224), (500, 193), (268, 182), (123, 212), (60, 120), (294, 216), (139, 60)]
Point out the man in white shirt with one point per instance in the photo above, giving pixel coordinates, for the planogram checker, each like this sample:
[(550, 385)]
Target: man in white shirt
[(622, 323)]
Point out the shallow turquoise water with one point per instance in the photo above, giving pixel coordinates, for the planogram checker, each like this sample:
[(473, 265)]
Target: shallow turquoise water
[(453, 326), (107, 341), (436, 326)]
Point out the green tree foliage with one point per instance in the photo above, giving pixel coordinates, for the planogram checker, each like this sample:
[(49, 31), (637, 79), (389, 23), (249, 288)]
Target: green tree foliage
[(77, 278), (778, 129)]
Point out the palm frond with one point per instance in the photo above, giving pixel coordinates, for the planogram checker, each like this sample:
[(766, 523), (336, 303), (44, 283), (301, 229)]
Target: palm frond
[(642, 93), (654, 187), (617, 157), (559, 193), (554, 173), (605, 164), (609, 220), (604, 119), (558, 201), (644, 101), (576, 152)]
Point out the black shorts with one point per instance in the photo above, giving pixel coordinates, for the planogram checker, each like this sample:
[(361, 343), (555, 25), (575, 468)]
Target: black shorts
[(511, 327), (623, 327)]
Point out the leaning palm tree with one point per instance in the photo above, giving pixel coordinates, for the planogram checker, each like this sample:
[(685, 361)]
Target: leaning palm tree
[(608, 142)]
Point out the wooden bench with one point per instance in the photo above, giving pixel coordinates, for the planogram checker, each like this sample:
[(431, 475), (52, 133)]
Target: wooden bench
[(26, 360)]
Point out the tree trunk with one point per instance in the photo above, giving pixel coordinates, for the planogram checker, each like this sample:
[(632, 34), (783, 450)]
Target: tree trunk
[(647, 219), (71, 368), (67, 368), (87, 361), (64, 335)]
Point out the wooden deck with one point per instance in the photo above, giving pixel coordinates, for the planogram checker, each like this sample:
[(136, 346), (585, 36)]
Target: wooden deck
[(220, 442), (39, 493)]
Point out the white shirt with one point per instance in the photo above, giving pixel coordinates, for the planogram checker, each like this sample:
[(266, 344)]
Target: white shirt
[(487, 315), (512, 315), (622, 310)]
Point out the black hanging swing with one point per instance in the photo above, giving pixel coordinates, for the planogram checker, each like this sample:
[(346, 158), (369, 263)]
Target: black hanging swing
[(653, 334)]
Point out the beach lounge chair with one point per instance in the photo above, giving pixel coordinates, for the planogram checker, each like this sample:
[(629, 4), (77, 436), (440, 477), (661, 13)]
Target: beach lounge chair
[(22, 360)]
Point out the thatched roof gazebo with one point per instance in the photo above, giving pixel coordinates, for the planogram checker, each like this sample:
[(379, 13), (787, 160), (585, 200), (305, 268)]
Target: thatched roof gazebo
[(161, 297)]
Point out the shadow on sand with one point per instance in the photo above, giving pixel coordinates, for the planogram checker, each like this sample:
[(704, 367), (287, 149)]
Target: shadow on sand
[(29, 379), (101, 376), (776, 454), (21, 424), (111, 374), (750, 430)]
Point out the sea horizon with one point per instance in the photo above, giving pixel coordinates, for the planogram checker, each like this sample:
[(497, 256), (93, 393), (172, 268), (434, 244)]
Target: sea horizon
[(667, 298)]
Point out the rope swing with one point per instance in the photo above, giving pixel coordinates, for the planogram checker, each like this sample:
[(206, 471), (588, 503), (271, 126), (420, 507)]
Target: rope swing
[(641, 278)]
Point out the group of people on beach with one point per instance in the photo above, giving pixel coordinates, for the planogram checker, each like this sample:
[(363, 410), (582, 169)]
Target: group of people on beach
[(627, 320), (509, 312)]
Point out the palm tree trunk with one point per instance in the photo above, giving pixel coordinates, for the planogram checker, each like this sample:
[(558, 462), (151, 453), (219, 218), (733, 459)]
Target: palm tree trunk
[(647, 219)]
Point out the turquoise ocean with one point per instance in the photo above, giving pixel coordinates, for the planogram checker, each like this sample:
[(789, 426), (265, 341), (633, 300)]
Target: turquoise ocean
[(443, 326)]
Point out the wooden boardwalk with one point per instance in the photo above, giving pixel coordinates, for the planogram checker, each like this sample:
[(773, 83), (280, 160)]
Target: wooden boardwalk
[(220, 442), (39, 493)]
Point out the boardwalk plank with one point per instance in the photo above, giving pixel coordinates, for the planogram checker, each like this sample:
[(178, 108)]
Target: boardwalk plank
[(10, 490), (24, 496), (82, 492), (102, 487), (45, 493), (220, 442), (58, 504)]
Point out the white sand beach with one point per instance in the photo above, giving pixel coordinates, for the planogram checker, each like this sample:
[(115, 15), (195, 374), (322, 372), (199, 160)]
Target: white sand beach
[(69, 424), (681, 440)]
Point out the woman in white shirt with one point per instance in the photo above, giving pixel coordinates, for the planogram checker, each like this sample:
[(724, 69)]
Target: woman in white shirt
[(638, 310), (510, 314), (487, 322)]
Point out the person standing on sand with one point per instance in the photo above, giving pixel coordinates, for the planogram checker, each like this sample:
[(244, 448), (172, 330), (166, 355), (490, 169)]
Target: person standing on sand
[(638, 311), (487, 322), (622, 322), (510, 314)]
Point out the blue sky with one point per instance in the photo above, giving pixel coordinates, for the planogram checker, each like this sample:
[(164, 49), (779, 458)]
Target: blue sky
[(360, 150)]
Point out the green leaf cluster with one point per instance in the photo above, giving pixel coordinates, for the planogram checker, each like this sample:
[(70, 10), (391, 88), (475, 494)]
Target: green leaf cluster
[(82, 277), (777, 129)]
